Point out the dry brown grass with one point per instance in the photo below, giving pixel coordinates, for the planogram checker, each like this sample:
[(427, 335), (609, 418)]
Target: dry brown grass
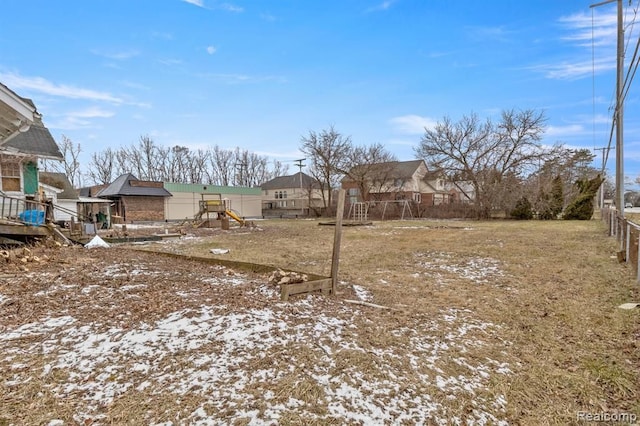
[(556, 297), (535, 300)]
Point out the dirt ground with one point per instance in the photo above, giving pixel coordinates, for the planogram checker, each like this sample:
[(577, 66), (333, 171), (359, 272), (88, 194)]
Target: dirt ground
[(471, 330)]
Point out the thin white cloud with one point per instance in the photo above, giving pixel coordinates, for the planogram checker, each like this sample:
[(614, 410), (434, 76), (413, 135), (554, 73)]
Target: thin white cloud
[(575, 70), (242, 78), (412, 124), (198, 3), (39, 84), (385, 5), (80, 119), (268, 17), (587, 30), (171, 62), (162, 35), (134, 85), (499, 33), (117, 56), (230, 7), (569, 130), (211, 50), (92, 112)]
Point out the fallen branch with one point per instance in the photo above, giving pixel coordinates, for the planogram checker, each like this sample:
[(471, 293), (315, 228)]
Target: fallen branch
[(371, 305)]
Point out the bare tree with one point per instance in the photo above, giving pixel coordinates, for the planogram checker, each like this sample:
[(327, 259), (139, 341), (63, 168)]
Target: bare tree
[(149, 161), (328, 152), (70, 165), (198, 166), (102, 166), (370, 168), (222, 166), (484, 154), (277, 169)]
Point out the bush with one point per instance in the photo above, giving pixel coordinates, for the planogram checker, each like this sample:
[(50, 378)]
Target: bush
[(522, 210), (582, 207)]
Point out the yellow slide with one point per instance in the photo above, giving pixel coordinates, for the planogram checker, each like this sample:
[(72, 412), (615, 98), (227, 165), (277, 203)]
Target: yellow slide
[(234, 217)]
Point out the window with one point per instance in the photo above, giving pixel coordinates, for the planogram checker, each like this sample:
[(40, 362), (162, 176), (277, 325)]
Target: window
[(417, 197), (10, 170), (285, 194), (353, 195)]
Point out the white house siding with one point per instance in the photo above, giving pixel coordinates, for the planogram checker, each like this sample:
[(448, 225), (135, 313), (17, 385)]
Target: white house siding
[(68, 206)]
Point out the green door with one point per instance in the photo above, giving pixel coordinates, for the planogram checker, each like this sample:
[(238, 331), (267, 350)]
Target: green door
[(30, 173)]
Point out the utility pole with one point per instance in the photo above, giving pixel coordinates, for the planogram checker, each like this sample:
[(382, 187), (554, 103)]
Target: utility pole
[(601, 189), (619, 109), (242, 165), (300, 165)]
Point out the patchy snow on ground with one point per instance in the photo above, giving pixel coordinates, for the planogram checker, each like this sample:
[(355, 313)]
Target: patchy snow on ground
[(362, 293), (310, 359), (448, 266)]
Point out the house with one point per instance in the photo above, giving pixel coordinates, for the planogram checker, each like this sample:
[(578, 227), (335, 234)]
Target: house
[(400, 181), (63, 196), (24, 140), (17, 114), (294, 195), (184, 202), (134, 199)]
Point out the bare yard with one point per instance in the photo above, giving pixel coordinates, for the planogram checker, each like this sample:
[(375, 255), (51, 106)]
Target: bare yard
[(489, 323)]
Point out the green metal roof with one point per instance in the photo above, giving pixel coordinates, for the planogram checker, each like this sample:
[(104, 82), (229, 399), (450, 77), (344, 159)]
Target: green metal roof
[(201, 188)]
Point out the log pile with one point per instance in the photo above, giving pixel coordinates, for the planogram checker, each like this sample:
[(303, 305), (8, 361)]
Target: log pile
[(21, 257), (279, 276)]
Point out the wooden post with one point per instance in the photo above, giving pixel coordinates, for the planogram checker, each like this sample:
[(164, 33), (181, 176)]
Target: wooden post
[(335, 260), (627, 241), (638, 263)]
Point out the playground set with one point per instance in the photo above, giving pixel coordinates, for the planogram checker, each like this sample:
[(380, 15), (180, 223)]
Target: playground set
[(214, 207)]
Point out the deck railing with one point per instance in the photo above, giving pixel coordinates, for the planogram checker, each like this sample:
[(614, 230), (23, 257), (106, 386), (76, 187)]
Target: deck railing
[(22, 210)]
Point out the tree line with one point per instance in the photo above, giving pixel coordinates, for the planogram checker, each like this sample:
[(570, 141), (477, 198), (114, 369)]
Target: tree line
[(149, 161), (500, 165)]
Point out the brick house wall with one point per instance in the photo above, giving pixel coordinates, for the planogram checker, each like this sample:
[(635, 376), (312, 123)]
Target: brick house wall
[(143, 208)]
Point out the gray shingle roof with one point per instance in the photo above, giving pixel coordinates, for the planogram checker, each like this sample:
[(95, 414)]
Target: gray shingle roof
[(60, 181), (35, 141), (292, 181), (126, 185), (391, 169)]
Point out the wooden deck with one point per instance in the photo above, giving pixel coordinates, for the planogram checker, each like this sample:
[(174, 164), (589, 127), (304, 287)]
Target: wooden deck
[(12, 233)]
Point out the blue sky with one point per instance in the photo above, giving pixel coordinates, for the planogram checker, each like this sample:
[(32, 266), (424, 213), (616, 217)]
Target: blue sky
[(260, 75)]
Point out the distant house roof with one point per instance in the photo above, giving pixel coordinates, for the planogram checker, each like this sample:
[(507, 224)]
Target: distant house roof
[(60, 181), (292, 181), (388, 170), (128, 184), (35, 141)]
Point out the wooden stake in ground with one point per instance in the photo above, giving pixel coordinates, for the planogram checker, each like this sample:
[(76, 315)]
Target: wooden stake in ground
[(335, 260)]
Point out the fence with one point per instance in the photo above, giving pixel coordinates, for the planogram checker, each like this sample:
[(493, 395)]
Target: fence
[(627, 235)]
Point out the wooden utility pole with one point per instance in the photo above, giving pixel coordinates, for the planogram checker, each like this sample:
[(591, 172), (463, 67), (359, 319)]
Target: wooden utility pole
[(619, 109), (601, 189)]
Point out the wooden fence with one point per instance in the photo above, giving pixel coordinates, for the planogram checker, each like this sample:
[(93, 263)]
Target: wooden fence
[(627, 234)]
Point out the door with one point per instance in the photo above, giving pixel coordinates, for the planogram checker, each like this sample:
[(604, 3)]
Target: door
[(30, 173)]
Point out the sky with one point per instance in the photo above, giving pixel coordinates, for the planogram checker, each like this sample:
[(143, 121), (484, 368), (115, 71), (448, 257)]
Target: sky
[(261, 75)]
